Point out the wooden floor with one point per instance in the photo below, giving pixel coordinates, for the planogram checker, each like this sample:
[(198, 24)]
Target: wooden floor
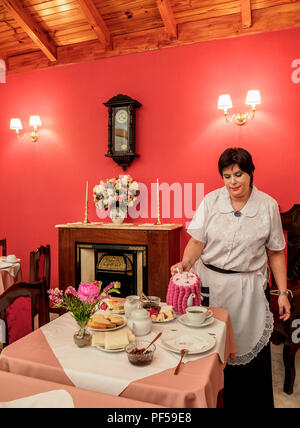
[(281, 399)]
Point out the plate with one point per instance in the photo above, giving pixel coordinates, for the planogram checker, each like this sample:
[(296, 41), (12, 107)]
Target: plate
[(115, 313), (164, 322), (183, 320), (194, 344), (110, 350), (4, 265), (110, 329)]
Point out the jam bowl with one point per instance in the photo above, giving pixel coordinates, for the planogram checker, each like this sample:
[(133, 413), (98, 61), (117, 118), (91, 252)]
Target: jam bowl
[(136, 355), (152, 303)]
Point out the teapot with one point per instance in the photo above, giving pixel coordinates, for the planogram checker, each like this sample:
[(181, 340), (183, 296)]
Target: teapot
[(140, 322), (131, 303)]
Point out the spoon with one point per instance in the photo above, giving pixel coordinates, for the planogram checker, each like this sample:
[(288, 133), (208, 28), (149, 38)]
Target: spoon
[(183, 352), (154, 340), (145, 297)]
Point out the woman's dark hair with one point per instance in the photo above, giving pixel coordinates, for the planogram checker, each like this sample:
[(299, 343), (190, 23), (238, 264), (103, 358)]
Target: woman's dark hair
[(239, 156)]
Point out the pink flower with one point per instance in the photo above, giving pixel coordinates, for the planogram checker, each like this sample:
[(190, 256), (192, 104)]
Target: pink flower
[(72, 291), (88, 293)]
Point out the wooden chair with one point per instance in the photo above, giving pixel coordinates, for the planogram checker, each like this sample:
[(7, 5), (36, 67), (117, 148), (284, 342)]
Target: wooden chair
[(40, 267), (3, 245), (285, 332), (17, 305)]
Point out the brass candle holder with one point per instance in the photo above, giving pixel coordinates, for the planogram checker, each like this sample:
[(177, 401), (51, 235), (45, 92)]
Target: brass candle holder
[(86, 220)]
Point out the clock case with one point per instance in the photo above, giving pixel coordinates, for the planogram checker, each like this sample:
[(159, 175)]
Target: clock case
[(125, 157)]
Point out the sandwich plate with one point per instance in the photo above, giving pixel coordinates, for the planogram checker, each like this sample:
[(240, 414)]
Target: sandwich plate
[(101, 348), (110, 329)]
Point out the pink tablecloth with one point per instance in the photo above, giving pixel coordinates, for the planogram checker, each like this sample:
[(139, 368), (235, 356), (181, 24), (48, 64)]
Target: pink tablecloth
[(16, 387), (6, 279), (197, 384)]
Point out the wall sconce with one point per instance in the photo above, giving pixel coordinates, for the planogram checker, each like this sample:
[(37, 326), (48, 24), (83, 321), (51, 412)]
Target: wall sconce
[(224, 103), (34, 121)]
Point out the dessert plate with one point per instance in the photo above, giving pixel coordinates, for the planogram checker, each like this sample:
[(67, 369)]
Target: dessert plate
[(110, 350), (166, 321), (184, 320), (192, 343)]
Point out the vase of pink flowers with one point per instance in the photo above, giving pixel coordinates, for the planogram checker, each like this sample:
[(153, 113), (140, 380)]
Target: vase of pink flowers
[(82, 304)]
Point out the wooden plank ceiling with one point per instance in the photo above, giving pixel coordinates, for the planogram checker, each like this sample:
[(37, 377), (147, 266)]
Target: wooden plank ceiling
[(38, 34)]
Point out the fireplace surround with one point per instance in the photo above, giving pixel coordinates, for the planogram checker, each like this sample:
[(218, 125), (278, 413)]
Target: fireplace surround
[(152, 250)]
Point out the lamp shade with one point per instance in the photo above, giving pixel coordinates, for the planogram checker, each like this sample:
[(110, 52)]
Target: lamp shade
[(253, 97), (16, 124), (224, 102), (35, 121)]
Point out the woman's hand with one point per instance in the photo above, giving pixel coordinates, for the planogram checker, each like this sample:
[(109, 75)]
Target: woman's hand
[(180, 267), (284, 307)]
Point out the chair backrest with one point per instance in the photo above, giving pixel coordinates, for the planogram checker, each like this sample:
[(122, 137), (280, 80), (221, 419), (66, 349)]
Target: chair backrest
[(291, 225), (3, 245), (17, 308), (40, 265)]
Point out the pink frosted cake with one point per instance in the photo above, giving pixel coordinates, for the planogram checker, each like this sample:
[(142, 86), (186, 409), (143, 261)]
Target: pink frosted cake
[(181, 286)]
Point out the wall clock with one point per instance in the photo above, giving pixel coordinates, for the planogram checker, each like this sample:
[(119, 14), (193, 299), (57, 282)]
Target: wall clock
[(121, 129)]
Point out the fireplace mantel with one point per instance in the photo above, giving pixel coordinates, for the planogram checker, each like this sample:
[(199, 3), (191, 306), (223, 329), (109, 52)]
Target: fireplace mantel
[(162, 241)]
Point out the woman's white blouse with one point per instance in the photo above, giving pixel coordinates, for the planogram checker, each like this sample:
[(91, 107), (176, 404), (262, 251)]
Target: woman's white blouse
[(237, 243)]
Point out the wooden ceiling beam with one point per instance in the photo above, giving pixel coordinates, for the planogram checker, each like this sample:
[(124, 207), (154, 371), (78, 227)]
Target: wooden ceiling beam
[(31, 28), (275, 18), (96, 21), (246, 13), (167, 16)]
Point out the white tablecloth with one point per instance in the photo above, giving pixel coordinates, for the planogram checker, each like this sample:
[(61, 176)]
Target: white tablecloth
[(111, 373)]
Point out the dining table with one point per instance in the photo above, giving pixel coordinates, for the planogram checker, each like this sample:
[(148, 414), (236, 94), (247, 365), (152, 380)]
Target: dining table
[(49, 353), (19, 391), (9, 273)]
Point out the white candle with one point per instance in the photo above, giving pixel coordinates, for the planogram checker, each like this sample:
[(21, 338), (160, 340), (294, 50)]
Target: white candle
[(157, 191), (87, 191)]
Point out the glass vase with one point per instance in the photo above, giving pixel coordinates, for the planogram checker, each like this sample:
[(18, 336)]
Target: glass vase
[(82, 337), (117, 215)]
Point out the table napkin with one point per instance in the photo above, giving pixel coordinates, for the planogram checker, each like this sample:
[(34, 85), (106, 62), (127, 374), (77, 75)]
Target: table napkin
[(47, 400), (107, 372), (12, 269)]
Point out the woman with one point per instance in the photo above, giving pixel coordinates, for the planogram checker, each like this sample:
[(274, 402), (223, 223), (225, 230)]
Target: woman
[(235, 234)]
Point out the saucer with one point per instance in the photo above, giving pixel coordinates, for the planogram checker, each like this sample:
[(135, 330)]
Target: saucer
[(183, 320), (12, 263)]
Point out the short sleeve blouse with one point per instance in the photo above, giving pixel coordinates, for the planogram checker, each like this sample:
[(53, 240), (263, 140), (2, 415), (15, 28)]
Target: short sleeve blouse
[(237, 243)]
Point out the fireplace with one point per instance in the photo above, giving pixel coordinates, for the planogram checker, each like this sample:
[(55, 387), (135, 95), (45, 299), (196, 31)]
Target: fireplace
[(113, 262), (146, 251)]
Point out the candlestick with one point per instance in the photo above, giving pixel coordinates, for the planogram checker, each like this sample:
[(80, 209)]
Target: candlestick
[(86, 220), (158, 208)]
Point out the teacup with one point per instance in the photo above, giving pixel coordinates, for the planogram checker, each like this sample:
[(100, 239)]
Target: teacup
[(11, 258), (198, 314)]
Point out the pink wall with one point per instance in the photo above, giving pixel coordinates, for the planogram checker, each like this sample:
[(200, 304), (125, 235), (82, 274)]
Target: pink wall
[(180, 132)]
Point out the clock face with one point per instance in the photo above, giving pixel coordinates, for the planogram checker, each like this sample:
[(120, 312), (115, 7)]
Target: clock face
[(121, 130), (121, 116)]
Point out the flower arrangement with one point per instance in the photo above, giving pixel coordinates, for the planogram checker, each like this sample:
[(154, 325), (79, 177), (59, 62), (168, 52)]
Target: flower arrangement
[(119, 192), (82, 303)]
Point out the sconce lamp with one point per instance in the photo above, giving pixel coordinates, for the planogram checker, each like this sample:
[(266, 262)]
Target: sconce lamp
[(252, 99), (34, 121)]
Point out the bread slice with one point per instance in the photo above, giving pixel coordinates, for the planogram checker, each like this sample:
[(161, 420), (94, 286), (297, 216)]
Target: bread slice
[(98, 339), (116, 319), (100, 321), (116, 339)]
